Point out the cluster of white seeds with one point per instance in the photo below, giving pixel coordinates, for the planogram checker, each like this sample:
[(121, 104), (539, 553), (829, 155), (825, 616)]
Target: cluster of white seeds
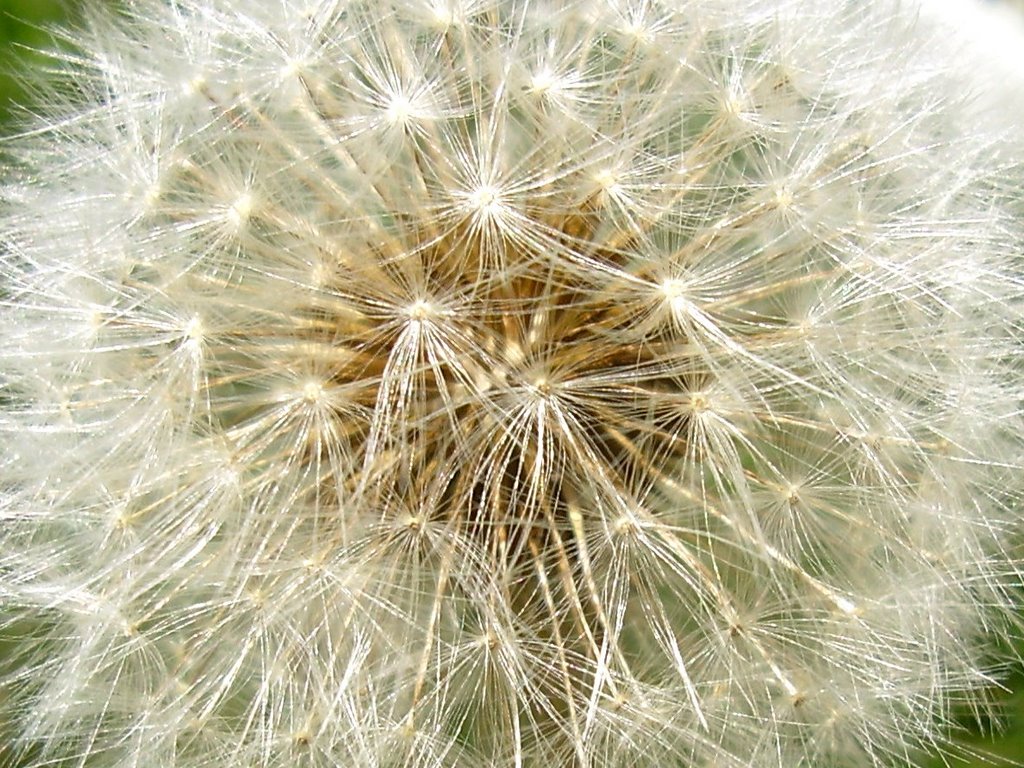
[(504, 383)]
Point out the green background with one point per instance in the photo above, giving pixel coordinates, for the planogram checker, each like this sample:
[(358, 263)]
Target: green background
[(22, 29), (23, 25)]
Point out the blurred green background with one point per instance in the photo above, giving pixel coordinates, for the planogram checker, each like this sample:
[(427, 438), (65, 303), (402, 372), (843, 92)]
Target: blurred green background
[(23, 31)]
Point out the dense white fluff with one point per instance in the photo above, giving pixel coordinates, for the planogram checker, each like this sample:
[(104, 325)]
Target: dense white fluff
[(510, 383)]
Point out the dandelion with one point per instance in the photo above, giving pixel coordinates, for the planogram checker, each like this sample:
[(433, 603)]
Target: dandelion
[(436, 383)]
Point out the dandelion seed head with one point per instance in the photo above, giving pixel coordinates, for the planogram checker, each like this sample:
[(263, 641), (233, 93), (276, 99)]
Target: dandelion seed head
[(504, 383)]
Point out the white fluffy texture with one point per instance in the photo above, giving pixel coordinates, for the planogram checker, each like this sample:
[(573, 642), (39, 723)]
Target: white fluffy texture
[(988, 40), (422, 383)]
